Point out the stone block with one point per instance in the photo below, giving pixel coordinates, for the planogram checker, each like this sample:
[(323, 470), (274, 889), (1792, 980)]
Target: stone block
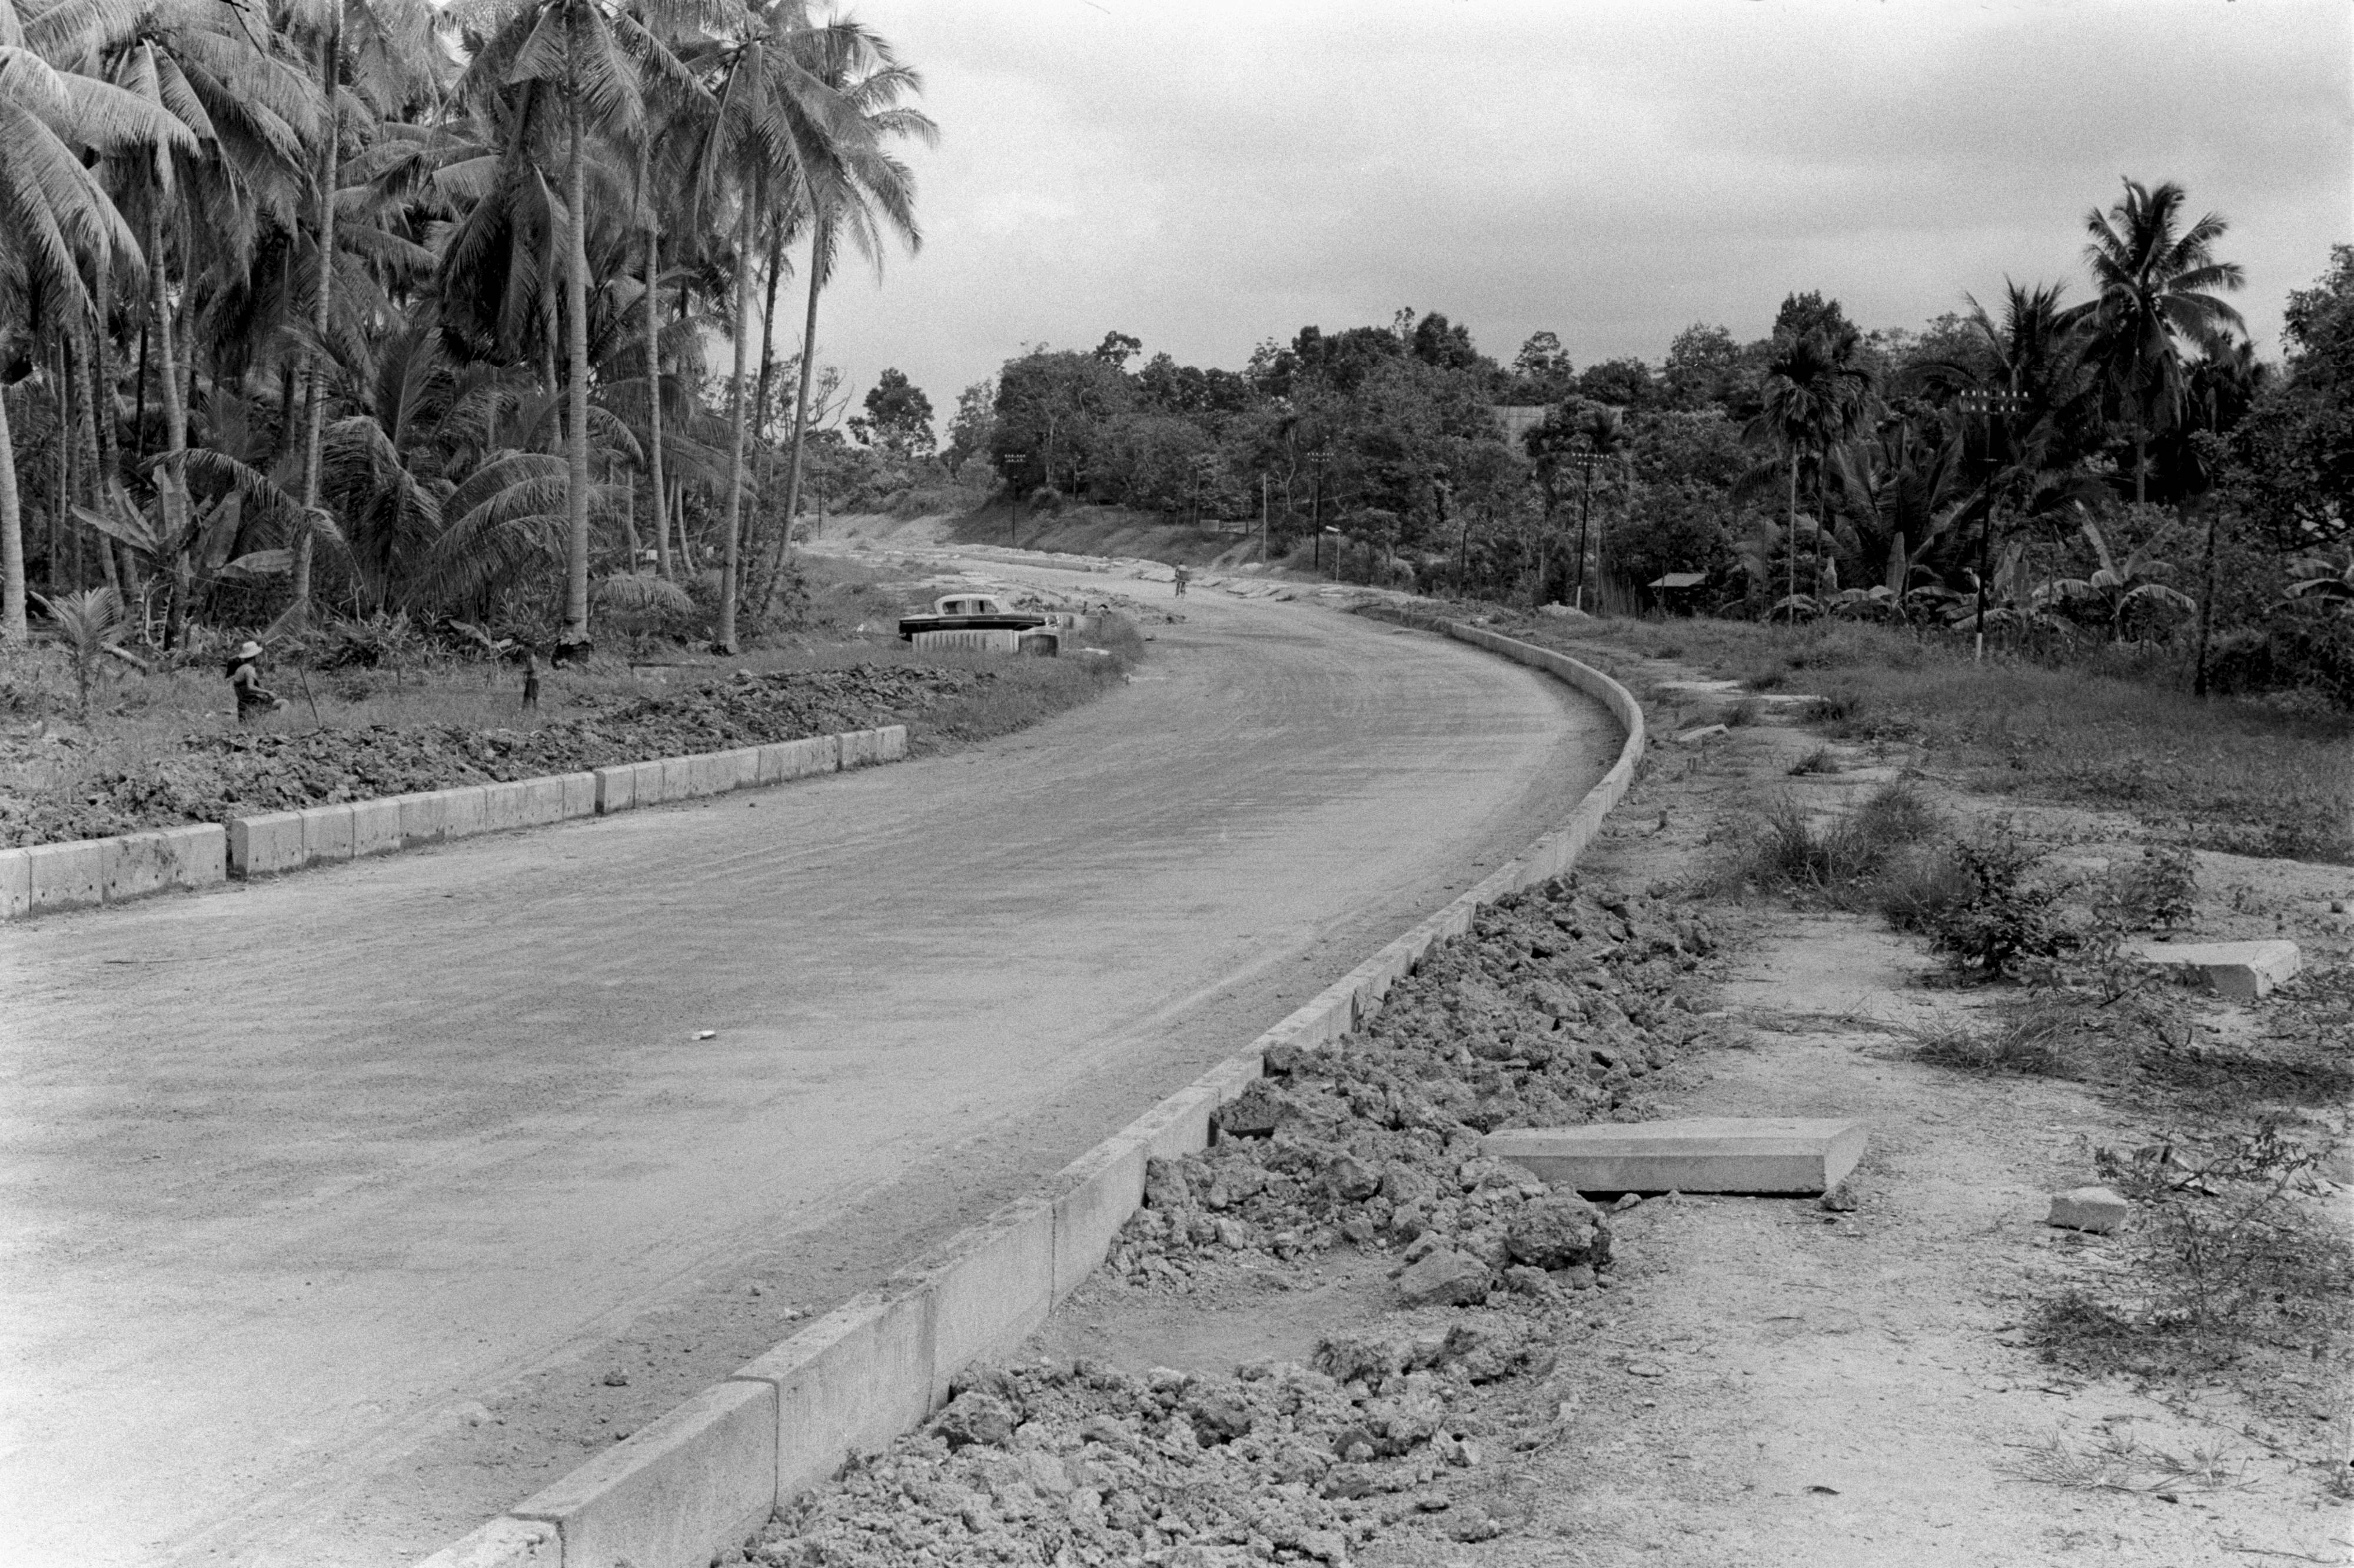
[(542, 801), (616, 789), (1179, 1125), (16, 884), (857, 747), (265, 845), (2238, 971), (1705, 1154), (769, 765), (677, 777), (2095, 1209), (677, 1493), (424, 817), (502, 807), (891, 742), (848, 1383), (502, 1543), (137, 864), (1706, 732), (467, 811), (994, 1291), (67, 876), (375, 826), (747, 761), (1099, 1190), (326, 833), (579, 794)]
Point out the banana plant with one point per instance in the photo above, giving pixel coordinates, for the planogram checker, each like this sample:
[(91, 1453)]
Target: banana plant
[(2114, 587)]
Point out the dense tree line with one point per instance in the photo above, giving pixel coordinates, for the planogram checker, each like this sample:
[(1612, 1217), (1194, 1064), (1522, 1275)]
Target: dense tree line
[(2117, 465), (373, 307)]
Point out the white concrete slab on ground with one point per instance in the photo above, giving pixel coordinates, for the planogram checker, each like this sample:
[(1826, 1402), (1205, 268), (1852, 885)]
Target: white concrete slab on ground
[(1707, 1154), (2239, 972)]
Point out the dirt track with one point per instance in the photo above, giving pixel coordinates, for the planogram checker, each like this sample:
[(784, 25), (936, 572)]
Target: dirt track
[(343, 1211)]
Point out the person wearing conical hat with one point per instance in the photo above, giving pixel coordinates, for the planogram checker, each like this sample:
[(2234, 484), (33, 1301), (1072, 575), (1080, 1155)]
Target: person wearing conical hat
[(245, 680)]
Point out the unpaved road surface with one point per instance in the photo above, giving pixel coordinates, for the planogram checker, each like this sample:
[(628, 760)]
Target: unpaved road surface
[(345, 1210)]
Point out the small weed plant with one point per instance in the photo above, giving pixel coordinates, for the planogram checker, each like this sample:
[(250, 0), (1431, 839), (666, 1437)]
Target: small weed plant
[(1978, 909), (2230, 1260)]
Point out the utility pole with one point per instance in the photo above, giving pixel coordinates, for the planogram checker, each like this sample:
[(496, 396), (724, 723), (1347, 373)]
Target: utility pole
[(1013, 501), (1262, 520), (1585, 463), (1989, 404), (1315, 462)]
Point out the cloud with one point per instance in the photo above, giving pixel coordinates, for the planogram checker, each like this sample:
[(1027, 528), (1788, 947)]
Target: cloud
[(1209, 174)]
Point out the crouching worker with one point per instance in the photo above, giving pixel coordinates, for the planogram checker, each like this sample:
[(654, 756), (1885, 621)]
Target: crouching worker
[(245, 680)]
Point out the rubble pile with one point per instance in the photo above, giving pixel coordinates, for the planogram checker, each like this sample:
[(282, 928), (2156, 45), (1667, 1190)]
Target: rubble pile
[(210, 777), (1085, 1464), (1551, 1013), (1553, 1009)]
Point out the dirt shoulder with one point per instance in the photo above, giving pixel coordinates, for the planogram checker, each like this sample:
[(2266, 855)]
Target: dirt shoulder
[(1922, 1371)]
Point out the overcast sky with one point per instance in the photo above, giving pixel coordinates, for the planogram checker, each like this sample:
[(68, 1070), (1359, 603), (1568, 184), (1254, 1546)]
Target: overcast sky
[(1203, 175)]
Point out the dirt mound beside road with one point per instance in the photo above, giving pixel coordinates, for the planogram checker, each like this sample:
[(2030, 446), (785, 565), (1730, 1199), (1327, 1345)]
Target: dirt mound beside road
[(216, 776)]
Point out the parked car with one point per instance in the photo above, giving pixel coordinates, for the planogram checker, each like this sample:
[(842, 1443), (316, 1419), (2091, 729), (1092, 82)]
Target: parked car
[(983, 621)]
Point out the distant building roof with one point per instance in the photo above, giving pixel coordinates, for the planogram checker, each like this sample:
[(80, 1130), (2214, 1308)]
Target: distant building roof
[(1681, 579), (1516, 420)]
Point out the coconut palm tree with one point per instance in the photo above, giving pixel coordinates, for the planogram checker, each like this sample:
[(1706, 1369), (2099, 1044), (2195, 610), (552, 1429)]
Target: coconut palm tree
[(1816, 394), (2156, 280), (54, 214), (776, 127), (865, 192)]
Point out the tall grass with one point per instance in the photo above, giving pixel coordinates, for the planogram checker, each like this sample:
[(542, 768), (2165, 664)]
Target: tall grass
[(2221, 773)]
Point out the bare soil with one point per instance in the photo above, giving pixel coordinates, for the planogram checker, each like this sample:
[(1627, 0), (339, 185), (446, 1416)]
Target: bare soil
[(1870, 1380)]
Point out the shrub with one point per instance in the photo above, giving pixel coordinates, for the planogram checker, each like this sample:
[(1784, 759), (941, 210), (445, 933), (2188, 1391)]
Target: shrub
[(1992, 917)]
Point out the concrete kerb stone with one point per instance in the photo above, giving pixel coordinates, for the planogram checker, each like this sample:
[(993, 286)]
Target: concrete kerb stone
[(616, 789), (424, 818), (850, 1382), (579, 794), (375, 826), (504, 1542), (67, 876), (502, 807), (993, 1291), (265, 845), (15, 883), (703, 1474), (326, 833), (1098, 1191), (878, 1366)]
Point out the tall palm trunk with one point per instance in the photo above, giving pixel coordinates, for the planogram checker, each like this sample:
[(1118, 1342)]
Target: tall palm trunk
[(1794, 533), (576, 438), (739, 411), (99, 449), (331, 164), (775, 263), (653, 362), (818, 242), (174, 488), (11, 540), (2141, 462)]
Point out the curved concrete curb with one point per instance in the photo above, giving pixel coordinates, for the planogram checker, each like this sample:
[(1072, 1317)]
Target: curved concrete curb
[(706, 1475), (41, 879)]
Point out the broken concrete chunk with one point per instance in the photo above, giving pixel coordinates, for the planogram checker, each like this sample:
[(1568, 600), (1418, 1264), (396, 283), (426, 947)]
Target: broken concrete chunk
[(1559, 1232), (2239, 972), (975, 1417), (1706, 732), (1705, 1154), (1445, 1279), (2095, 1209)]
